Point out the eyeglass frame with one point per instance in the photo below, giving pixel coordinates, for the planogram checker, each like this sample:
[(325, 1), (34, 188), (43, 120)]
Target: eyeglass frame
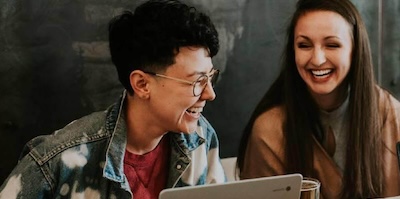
[(214, 74)]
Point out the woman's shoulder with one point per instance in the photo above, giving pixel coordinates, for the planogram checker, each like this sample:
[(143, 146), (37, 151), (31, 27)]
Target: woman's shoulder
[(274, 114), (270, 122), (387, 100), (389, 110)]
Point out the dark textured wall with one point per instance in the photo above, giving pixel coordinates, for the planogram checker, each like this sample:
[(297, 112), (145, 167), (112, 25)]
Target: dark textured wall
[(55, 65)]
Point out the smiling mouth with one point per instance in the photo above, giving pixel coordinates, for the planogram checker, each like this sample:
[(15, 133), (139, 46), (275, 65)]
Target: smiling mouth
[(321, 73), (194, 111)]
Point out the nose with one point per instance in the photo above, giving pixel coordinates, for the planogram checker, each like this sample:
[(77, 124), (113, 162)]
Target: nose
[(208, 93), (318, 57)]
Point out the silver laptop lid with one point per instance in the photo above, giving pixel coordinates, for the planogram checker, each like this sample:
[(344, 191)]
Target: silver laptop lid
[(282, 186)]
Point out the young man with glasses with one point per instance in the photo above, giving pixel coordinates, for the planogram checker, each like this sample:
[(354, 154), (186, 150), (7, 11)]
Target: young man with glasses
[(154, 137)]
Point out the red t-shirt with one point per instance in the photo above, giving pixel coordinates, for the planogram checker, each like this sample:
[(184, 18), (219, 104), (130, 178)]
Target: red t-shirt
[(147, 174)]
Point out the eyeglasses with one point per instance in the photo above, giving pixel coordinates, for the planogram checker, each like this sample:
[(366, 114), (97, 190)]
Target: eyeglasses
[(199, 84)]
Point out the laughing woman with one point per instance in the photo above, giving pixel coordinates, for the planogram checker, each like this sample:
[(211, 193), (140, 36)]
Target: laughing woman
[(325, 117)]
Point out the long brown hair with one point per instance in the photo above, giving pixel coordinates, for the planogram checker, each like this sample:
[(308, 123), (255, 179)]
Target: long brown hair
[(363, 173)]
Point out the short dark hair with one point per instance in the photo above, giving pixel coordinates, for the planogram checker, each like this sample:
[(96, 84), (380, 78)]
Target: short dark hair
[(150, 38)]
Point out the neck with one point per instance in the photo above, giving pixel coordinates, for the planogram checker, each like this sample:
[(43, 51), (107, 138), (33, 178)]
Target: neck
[(142, 135), (333, 100)]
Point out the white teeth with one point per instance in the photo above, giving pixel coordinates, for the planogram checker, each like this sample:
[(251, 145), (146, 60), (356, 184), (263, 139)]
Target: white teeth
[(321, 72), (195, 110)]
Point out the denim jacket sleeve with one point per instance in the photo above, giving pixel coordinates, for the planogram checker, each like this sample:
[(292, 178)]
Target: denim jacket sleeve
[(66, 163), (24, 180)]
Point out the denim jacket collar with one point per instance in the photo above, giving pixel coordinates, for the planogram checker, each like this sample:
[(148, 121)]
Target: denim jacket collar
[(182, 144)]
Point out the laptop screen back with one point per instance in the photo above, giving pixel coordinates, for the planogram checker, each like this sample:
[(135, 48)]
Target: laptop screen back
[(282, 186)]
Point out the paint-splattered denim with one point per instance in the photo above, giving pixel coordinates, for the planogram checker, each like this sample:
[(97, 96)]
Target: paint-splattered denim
[(85, 160)]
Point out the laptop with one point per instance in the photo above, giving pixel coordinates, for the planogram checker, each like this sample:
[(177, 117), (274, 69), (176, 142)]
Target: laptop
[(281, 186)]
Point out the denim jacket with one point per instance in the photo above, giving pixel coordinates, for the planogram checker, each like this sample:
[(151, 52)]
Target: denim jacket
[(85, 160)]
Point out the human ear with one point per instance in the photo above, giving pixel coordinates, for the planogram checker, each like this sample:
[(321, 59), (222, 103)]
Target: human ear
[(139, 83)]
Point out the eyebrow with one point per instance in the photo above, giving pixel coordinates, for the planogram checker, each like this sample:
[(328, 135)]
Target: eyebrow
[(326, 38), (200, 73)]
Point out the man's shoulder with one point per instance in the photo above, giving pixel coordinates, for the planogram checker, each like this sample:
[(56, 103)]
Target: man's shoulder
[(87, 129)]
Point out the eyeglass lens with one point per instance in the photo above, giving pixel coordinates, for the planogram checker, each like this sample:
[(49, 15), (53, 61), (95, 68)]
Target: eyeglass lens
[(202, 81)]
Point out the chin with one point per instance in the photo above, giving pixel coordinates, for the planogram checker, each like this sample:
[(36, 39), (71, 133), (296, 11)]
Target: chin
[(322, 90)]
